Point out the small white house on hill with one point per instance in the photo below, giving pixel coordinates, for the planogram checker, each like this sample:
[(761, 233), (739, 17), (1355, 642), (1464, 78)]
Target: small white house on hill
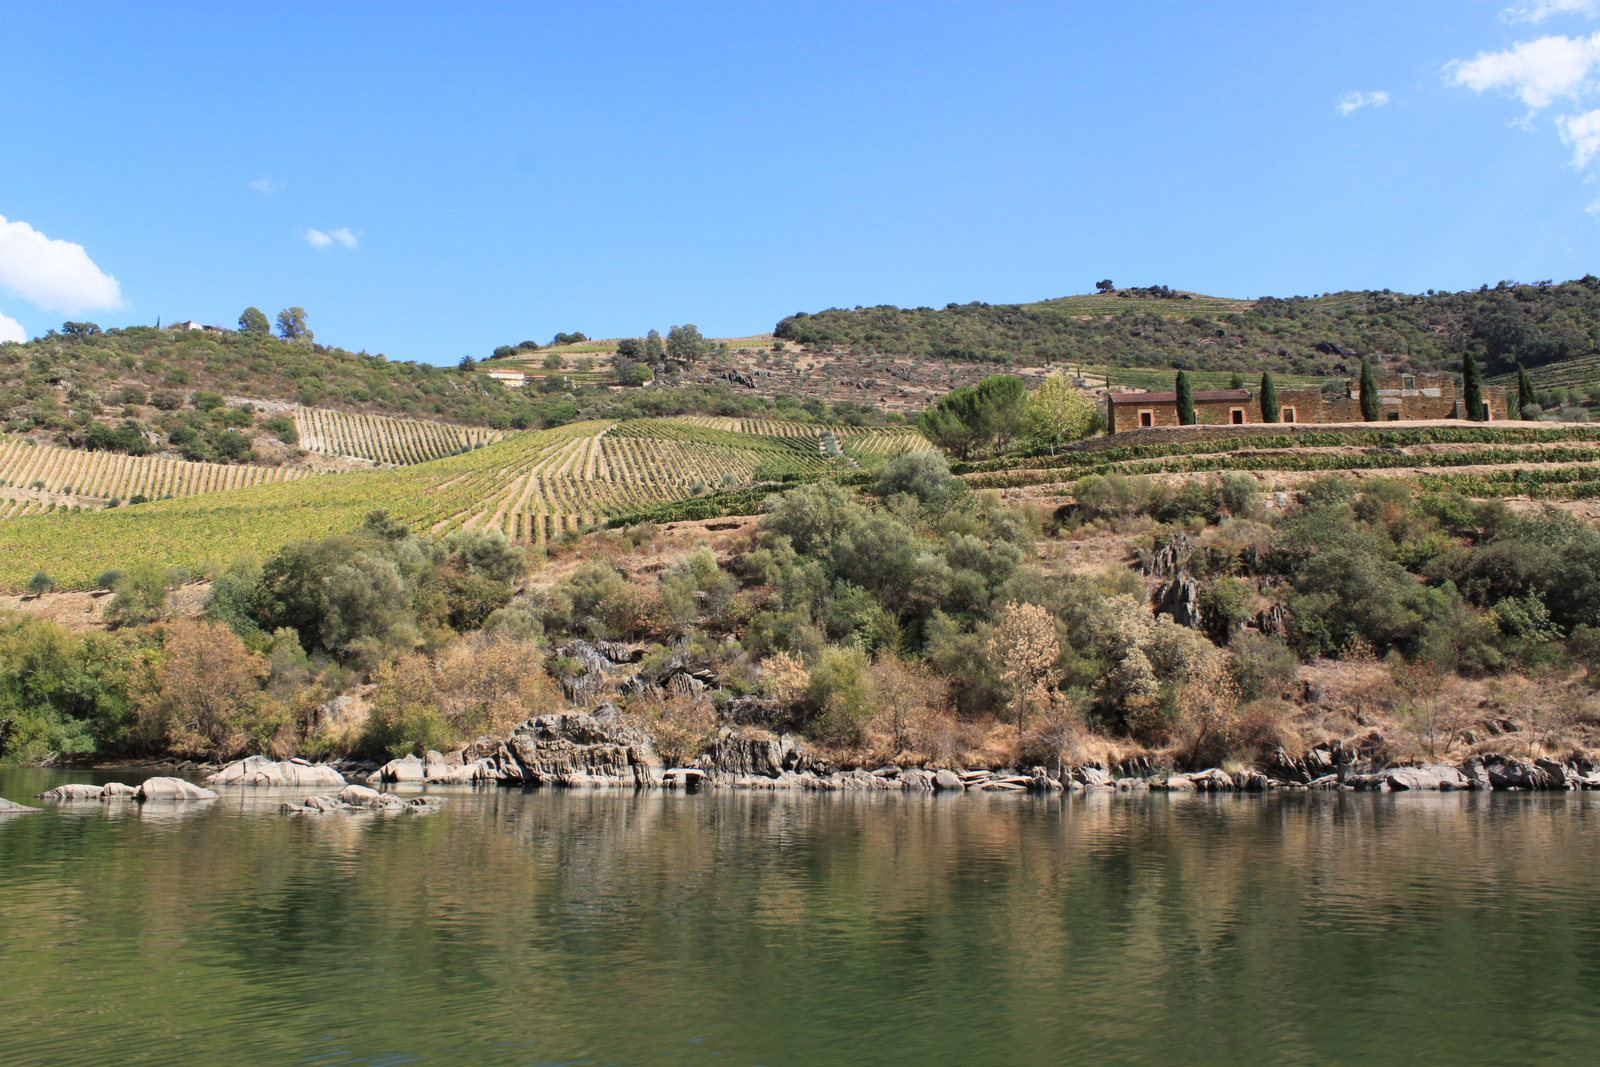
[(511, 379)]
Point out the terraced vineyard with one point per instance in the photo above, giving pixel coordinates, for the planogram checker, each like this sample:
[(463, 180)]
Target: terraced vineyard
[(101, 476), (1582, 374), (534, 486), (1553, 462), (378, 438)]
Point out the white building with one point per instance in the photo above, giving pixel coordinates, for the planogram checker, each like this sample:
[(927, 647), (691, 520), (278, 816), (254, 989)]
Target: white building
[(511, 379)]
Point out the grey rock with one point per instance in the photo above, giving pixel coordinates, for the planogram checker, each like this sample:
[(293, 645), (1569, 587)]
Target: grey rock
[(118, 791), (1250, 781), (73, 791), (173, 789), (1092, 775), (446, 773), (1476, 774), (11, 807), (750, 752), (1213, 780), (579, 748), (405, 769), (258, 770), (359, 796), (947, 781), (1429, 777)]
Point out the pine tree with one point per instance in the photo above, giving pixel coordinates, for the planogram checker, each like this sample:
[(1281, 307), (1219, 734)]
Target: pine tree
[(1185, 400), (1472, 388), (1369, 393), (1524, 392), (1269, 399)]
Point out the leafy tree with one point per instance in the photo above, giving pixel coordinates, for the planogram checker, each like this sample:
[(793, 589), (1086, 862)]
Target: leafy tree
[(1269, 398), (292, 324), (79, 329), (631, 348), (924, 475), (1525, 397), (1058, 412), (1369, 393), (1236, 381), (1185, 400), (685, 344), (654, 350), (554, 361), (467, 365), (1002, 400), (1472, 389), (206, 689), (1104, 286), (568, 338), (254, 320)]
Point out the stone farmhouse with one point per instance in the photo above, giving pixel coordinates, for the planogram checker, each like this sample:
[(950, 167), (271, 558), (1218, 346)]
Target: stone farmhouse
[(1401, 398)]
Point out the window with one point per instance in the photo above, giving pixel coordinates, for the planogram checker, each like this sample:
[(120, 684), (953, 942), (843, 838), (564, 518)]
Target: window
[(1147, 419), (1237, 416), (1408, 382), (1287, 414), (1394, 416)]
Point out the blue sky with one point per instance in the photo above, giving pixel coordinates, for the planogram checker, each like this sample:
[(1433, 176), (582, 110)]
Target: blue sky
[(431, 181)]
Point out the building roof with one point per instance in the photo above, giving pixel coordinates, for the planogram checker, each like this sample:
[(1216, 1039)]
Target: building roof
[(1172, 398)]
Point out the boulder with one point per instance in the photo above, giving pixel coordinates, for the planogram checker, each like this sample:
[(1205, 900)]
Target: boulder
[(1428, 777), (405, 769), (173, 789), (1251, 781), (9, 807), (947, 781), (1092, 775), (744, 753), (118, 791), (1213, 780), (1515, 774), (259, 770), (359, 796), (1476, 774), (1179, 783), (73, 791), (579, 748)]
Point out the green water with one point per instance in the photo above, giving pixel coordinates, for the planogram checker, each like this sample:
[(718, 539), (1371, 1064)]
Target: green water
[(606, 928)]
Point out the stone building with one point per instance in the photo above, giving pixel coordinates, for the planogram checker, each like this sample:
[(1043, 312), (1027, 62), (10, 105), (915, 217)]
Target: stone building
[(1401, 398)]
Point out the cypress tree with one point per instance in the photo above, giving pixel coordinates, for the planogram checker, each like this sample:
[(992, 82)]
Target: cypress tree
[(1185, 400), (1269, 399), (1369, 393), (1524, 391), (1472, 387)]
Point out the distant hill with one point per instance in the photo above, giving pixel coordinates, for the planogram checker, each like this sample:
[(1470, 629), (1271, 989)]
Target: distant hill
[(1161, 328)]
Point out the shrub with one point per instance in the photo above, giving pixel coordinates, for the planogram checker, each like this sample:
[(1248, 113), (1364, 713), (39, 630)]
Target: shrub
[(41, 583)]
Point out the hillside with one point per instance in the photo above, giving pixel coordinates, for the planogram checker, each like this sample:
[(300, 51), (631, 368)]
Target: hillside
[(535, 486), (1159, 328)]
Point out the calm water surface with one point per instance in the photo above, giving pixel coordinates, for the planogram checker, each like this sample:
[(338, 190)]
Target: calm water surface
[(541, 928)]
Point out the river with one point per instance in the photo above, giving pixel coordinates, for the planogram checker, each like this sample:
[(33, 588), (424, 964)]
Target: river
[(743, 929)]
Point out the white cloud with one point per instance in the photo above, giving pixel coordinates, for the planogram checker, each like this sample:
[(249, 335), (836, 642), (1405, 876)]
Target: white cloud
[(1582, 134), (341, 236), (11, 329), (265, 185), (1352, 101), (56, 275), (1543, 9), (1536, 72)]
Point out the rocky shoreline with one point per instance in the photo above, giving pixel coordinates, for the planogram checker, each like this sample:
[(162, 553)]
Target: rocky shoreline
[(605, 748)]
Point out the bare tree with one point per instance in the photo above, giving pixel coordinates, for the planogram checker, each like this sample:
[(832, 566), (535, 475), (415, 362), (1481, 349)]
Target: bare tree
[(1026, 646)]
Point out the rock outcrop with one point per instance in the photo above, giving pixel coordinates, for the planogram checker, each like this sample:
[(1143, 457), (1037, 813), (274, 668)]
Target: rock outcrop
[(576, 748), (258, 770), (11, 807), (73, 791)]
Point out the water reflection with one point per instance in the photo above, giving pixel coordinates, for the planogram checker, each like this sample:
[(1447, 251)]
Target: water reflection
[(802, 929)]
